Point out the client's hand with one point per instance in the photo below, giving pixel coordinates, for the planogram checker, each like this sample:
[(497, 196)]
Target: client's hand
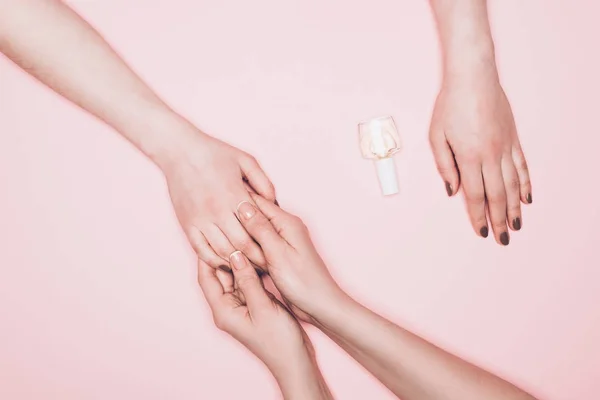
[(296, 268), (244, 309)]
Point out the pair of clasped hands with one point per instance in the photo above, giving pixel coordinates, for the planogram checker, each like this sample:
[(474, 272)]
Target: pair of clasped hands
[(412, 368)]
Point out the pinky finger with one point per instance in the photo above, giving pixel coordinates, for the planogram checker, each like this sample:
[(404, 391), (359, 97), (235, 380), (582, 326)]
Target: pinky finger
[(523, 172)]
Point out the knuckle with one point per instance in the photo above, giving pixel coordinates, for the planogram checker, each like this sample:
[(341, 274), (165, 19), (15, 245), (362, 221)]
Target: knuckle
[(469, 159), (514, 210), (251, 160), (475, 197), (522, 164), (496, 197), (445, 168), (245, 245), (499, 226), (263, 228), (296, 221), (246, 280), (513, 184), (478, 216)]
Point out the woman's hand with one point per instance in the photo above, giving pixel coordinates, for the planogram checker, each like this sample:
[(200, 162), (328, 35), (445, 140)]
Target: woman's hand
[(244, 309), (207, 179), (409, 366), (475, 144), (294, 265)]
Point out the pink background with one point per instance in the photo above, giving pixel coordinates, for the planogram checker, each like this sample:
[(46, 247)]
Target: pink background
[(98, 297)]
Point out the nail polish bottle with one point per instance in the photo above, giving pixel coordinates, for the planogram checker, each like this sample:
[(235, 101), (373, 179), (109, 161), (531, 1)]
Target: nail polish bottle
[(379, 141)]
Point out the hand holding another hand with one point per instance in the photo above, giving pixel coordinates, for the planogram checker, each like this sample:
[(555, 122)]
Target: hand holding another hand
[(207, 178), (294, 265), (243, 308)]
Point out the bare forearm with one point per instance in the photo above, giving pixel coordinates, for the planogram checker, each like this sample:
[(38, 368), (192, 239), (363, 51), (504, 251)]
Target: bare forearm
[(52, 43), (409, 366), (302, 379), (465, 35)]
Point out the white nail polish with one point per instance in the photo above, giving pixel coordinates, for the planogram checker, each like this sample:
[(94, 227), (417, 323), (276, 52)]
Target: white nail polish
[(379, 141)]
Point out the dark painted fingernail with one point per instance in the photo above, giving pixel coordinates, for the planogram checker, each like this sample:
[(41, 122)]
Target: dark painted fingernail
[(224, 268), (517, 223), (276, 203), (449, 188), (529, 198), (484, 231), (504, 239)]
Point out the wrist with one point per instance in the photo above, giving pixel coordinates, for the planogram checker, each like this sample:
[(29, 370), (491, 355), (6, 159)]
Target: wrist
[(465, 37), (472, 64), (161, 134), (332, 310)]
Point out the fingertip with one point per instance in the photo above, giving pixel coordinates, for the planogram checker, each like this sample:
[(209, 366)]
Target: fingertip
[(245, 210), (484, 232), (516, 224), (504, 239), (238, 260), (451, 188)]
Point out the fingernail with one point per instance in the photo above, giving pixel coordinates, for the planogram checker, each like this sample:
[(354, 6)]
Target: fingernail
[(529, 198), (484, 231), (276, 203), (246, 210), (224, 268), (238, 260), (449, 188), (504, 239), (517, 223)]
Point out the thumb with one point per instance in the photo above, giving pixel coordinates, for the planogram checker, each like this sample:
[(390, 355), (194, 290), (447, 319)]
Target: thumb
[(444, 159), (261, 230), (248, 282), (288, 226)]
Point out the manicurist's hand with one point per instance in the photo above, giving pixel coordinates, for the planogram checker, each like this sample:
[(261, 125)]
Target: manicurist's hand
[(408, 365), (296, 268), (244, 309)]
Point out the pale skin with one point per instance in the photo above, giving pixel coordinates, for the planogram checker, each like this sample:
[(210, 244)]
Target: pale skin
[(206, 177), (411, 367), (473, 134), (243, 308)]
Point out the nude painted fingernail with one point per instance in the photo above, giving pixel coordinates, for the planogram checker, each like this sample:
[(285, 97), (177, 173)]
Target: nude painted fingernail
[(529, 198), (504, 238), (237, 260), (484, 231), (449, 189), (517, 223), (246, 210)]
